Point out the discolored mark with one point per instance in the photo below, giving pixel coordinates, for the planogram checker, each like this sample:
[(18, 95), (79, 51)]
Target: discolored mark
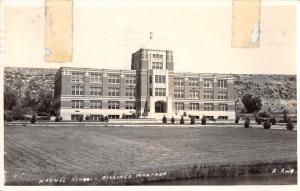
[(246, 23), (255, 33), (58, 30)]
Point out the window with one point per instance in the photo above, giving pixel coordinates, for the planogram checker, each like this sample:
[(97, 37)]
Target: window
[(77, 90), (130, 79), (96, 78), (96, 117), (113, 105), (208, 95), (179, 106), (77, 104), (77, 77), (160, 79), (76, 117), (223, 117), (157, 56), (194, 106), (194, 94), (223, 107), (157, 65), (208, 106), (179, 82), (129, 105), (222, 95), (113, 79), (113, 92), (193, 82), (160, 92), (113, 116), (150, 79), (210, 117), (208, 83), (95, 104), (96, 91), (178, 93), (222, 83), (130, 91)]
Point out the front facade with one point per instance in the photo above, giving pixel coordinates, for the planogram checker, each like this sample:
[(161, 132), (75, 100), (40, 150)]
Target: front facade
[(150, 89)]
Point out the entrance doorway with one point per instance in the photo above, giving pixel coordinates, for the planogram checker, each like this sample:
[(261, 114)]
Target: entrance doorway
[(160, 107)]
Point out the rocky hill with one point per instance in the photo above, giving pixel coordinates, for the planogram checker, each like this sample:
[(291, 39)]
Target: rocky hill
[(278, 92)]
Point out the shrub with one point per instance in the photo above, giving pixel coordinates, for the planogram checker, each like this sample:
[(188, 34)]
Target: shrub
[(181, 120), (263, 114), (33, 119), (87, 118), (267, 124), (60, 118), (192, 120), (237, 120), (247, 123), (164, 119), (273, 120), (172, 120), (289, 125), (9, 118), (258, 120), (80, 119), (203, 120), (57, 119), (134, 115), (285, 119)]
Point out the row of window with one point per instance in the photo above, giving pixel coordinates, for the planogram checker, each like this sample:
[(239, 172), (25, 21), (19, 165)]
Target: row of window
[(196, 106), (194, 82), (157, 56), (97, 104), (97, 78), (193, 94), (131, 79), (97, 91), (157, 65)]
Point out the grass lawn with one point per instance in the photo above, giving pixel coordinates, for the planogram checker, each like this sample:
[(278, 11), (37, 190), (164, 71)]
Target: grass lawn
[(33, 152)]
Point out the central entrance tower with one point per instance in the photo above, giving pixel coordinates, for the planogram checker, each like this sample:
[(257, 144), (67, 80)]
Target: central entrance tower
[(155, 79)]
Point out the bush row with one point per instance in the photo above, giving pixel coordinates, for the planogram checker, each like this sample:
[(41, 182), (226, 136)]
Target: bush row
[(268, 123), (192, 120)]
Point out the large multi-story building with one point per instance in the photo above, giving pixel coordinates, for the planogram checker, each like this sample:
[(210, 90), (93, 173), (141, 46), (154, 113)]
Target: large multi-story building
[(150, 89)]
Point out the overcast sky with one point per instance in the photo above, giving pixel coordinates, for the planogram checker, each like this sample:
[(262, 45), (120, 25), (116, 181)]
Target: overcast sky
[(199, 35)]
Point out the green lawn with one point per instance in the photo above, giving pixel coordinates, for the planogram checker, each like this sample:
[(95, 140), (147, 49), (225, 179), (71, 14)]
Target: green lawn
[(33, 152)]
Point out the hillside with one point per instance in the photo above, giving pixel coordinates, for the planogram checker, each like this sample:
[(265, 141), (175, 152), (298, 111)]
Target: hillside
[(278, 92)]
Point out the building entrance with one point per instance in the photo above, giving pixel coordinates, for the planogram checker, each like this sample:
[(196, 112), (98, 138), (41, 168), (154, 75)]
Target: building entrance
[(160, 107)]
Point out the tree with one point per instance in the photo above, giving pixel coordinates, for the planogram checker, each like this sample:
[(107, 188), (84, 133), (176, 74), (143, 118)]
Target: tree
[(181, 120), (192, 120), (164, 119), (33, 119), (247, 123), (285, 118), (203, 120), (251, 103), (172, 120), (9, 98)]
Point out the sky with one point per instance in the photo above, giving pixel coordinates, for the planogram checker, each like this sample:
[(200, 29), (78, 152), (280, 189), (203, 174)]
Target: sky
[(105, 36)]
